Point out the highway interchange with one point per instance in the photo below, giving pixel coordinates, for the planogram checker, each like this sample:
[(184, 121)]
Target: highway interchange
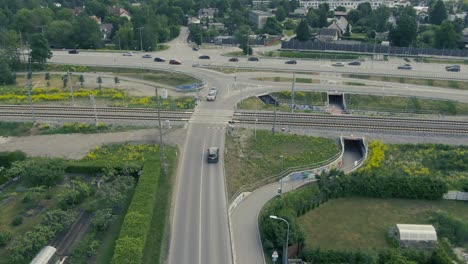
[(199, 231)]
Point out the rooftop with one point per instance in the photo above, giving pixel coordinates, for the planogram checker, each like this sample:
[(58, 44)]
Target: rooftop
[(417, 232)]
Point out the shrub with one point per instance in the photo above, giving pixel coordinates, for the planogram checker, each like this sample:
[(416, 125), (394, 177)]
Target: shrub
[(132, 238), (7, 158), (5, 237), (38, 172), (17, 220)]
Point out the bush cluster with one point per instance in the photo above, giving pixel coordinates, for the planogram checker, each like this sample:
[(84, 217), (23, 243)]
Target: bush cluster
[(130, 245)]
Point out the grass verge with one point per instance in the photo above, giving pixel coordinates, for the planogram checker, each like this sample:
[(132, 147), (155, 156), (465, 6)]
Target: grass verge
[(405, 104), (287, 79), (357, 223), (442, 61), (15, 129), (249, 160), (429, 82), (155, 248), (314, 55)]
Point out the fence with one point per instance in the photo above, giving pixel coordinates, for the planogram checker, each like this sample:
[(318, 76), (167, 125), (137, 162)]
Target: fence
[(371, 48)]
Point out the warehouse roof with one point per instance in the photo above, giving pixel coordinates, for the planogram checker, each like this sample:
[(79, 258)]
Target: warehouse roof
[(417, 232)]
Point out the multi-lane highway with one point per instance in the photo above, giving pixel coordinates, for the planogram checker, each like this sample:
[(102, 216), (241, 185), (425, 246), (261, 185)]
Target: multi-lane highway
[(199, 222)]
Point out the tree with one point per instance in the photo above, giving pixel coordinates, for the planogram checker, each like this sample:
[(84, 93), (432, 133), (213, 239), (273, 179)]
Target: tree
[(60, 33), (379, 18), (40, 50), (123, 37), (47, 78), (86, 32), (437, 13), (38, 172), (102, 219), (99, 81), (6, 76), (81, 79), (289, 24), (272, 26), (322, 14), (365, 9), (313, 18), (445, 36), (280, 14), (302, 31), (348, 31), (405, 32), (340, 9), (354, 16)]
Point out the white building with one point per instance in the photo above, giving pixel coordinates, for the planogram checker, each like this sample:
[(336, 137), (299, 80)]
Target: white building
[(350, 4), (258, 18), (416, 236)]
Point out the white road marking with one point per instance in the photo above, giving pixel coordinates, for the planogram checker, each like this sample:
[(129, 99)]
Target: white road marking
[(201, 200)]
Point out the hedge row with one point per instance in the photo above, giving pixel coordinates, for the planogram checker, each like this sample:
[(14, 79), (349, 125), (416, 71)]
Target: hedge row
[(133, 233), (95, 167), (7, 157)]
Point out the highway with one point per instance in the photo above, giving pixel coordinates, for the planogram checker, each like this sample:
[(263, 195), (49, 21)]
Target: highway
[(199, 232)]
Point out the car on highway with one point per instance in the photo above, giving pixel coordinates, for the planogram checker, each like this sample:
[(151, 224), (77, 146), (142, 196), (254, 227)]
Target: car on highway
[(213, 155), (204, 57), (338, 64), (234, 59), (291, 62), (212, 94), (175, 62), (128, 54), (73, 51), (355, 63), (195, 48), (253, 59), (405, 67), (147, 56), (159, 59), (453, 68)]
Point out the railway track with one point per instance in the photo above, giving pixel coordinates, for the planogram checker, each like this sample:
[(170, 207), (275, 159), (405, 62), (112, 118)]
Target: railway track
[(354, 122), (103, 113)]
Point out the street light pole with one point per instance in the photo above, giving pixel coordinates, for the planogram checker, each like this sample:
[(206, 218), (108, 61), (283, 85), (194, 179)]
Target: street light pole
[(163, 160), (292, 100), (141, 39), (285, 246)]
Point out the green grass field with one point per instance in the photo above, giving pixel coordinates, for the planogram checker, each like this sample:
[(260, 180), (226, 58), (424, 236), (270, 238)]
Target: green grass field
[(248, 160), (10, 129), (287, 79), (429, 82), (315, 55), (405, 104), (353, 222)]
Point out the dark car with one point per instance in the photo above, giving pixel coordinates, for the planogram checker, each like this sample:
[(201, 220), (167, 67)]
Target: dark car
[(213, 155), (234, 59), (453, 68), (204, 57), (405, 67), (253, 59), (196, 48), (355, 63), (73, 51), (291, 62), (175, 62), (159, 59)]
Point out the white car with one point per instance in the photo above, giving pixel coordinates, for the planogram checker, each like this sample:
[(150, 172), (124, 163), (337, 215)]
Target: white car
[(212, 94), (128, 54), (338, 64)]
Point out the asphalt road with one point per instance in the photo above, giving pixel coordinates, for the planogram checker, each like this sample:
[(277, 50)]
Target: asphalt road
[(199, 225)]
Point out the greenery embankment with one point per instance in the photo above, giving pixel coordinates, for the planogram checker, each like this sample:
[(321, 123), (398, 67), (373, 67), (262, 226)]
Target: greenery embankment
[(55, 90), (249, 160), (419, 172), (284, 97), (405, 104), (429, 82), (287, 79), (315, 55), (16, 129)]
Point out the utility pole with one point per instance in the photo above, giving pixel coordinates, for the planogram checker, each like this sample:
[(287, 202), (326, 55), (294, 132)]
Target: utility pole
[(91, 97), (292, 100), (71, 87), (29, 87), (141, 39), (161, 143)]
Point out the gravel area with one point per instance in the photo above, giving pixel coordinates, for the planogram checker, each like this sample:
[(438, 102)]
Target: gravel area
[(74, 146), (388, 137)]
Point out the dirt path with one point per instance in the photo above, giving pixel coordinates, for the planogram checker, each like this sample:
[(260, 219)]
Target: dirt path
[(74, 146)]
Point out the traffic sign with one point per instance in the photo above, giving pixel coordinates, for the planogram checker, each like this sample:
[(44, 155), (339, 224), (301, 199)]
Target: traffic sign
[(275, 254)]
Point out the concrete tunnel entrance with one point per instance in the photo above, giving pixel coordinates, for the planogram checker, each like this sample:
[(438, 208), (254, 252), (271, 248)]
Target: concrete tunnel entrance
[(336, 102), (354, 151)]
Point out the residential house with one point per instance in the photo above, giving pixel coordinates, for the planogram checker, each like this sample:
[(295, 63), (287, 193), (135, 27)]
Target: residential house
[(328, 34), (392, 20), (120, 12), (301, 11), (260, 4), (258, 18), (209, 13), (453, 17), (339, 14), (96, 19), (106, 30), (217, 26), (353, 4), (341, 25)]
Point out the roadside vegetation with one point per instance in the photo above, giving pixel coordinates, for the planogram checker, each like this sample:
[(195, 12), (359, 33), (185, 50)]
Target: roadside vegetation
[(441, 61), (52, 194), (284, 97), (429, 82), (404, 104), (17, 129), (329, 228), (286, 79), (249, 159), (315, 55), (54, 89)]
